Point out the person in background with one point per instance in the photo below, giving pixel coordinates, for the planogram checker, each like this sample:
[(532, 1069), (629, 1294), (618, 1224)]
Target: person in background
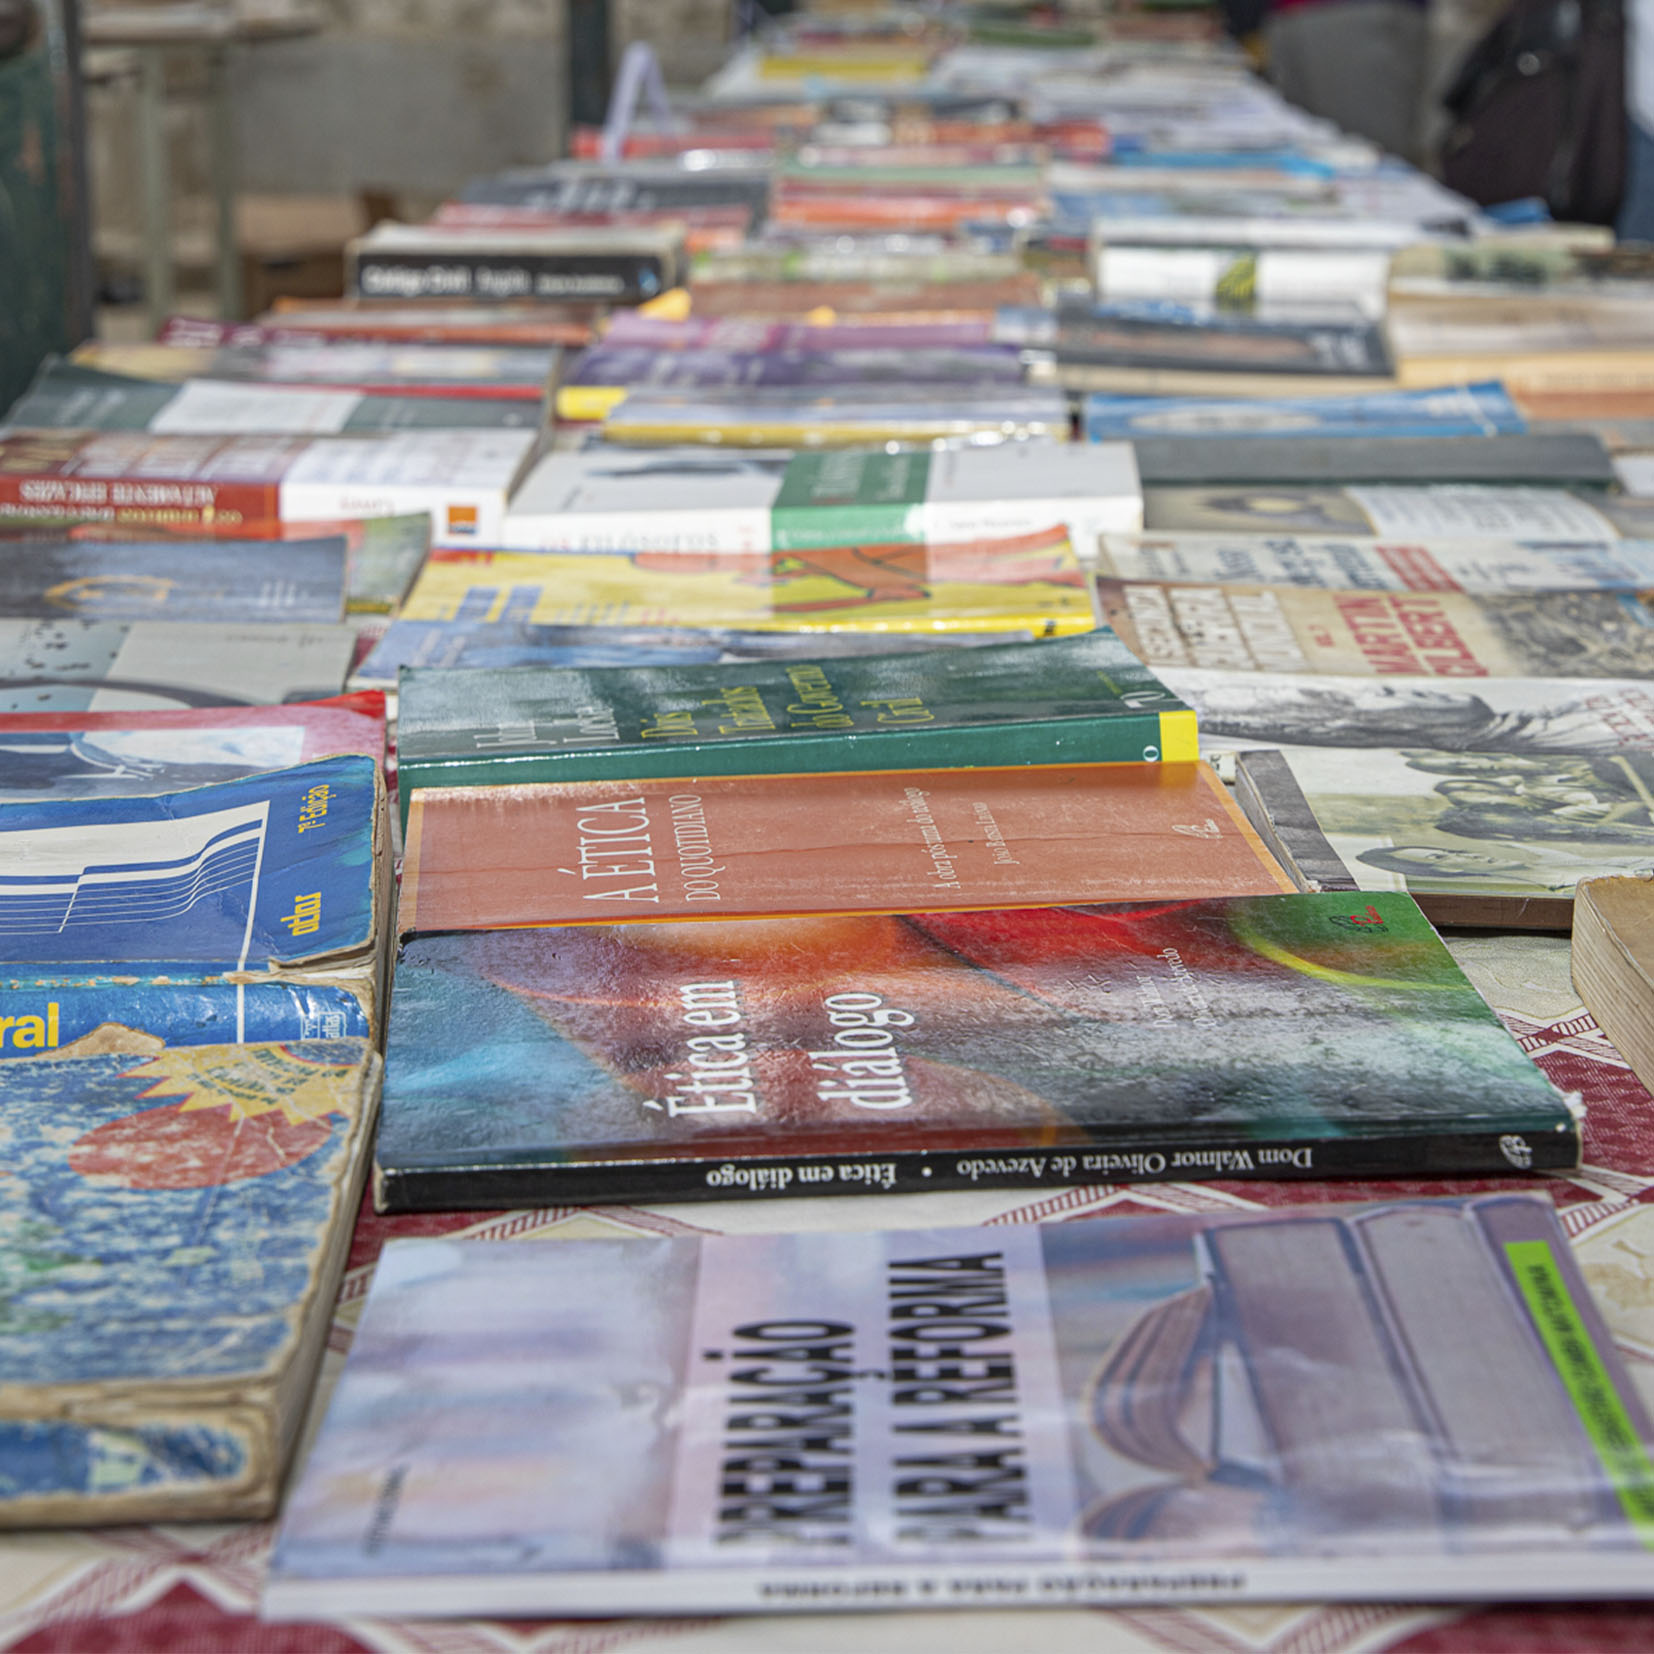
[(1359, 63), (1636, 214)]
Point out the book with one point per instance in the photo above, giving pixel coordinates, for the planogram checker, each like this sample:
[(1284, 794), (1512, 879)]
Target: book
[(804, 417), (96, 754), (1490, 839), (584, 186), (1398, 512), (106, 666), (1561, 461), (305, 321), (1082, 699), (1446, 634), (1411, 1399), (693, 499), (901, 841), (636, 329), (70, 396), (1485, 567), (1229, 272), (910, 296), (1005, 1049), (1610, 963), (427, 261), (1032, 582), (179, 1222), (218, 581), (1483, 409)]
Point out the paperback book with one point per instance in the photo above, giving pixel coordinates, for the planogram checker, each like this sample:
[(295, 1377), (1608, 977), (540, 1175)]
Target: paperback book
[(1014, 1048), (1478, 838), (1033, 582), (695, 499), (903, 841), (1082, 699), (177, 1225), (1408, 1400)]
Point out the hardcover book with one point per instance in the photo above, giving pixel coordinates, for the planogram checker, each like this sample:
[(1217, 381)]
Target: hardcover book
[(1006, 1049), (209, 581), (425, 261), (1083, 699), (106, 666), (1612, 961), (1392, 513), (177, 1223), (1483, 409), (904, 841), (1408, 1400), (1033, 582), (461, 478), (1484, 567), (1478, 838), (693, 499), (1583, 634)]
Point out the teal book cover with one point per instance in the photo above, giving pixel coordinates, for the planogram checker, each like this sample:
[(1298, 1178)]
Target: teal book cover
[(172, 1230), (1082, 699), (1274, 1036)]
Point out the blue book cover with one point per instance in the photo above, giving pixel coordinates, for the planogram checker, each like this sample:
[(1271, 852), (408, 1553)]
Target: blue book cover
[(174, 1229), (247, 875), (1483, 409)]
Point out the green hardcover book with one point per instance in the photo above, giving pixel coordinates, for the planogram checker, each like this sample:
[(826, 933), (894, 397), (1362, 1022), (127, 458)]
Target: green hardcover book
[(1070, 700)]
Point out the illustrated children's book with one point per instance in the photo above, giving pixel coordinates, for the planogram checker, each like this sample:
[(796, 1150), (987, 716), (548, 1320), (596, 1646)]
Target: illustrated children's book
[(1001, 1049), (1414, 1400), (175, 1222), (902, 841), (1081, 699), (1033, 582)]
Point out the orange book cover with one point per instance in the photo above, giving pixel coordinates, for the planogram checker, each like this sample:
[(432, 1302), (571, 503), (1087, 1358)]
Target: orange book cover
[(906, 841)]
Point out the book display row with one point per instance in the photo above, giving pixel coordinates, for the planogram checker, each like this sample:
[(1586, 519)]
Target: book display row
[(855, 828)]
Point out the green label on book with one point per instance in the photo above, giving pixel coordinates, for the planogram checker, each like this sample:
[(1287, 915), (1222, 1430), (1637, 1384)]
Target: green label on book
[(849, 496), (1579, 1365)]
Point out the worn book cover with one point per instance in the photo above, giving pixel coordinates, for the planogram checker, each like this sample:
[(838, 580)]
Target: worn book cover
[(703, 499), (1485, 567), (1248, 628), (1081, 699), (1399, 512), (954, 1050), (1478, 838), (63, 755), (105, 666), (1481, 409), (176, 1224), (1031, 582), (1409, 1400), (904, 841)]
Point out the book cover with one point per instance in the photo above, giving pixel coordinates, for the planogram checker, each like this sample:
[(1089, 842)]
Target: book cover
[(1483, 567), (59, 755), (70, 396), (309, 321), (1482, 409), (1576, 460), (634, 328), (1031, 582), (177, 1224), (1249, 628), (907, 1053), (455, 368), (693, 499), (1401, 512), (106, 666), (905, 841), (1477, 838), (422, 261), (912, 296), (1412, 1399), (1082, 699), (301, 582)]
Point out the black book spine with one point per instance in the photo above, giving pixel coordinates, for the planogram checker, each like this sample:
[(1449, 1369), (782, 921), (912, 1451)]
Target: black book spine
[(489, 277), (1474, 1151)]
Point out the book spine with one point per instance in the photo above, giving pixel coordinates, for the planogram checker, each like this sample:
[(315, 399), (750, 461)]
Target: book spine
[(615, 278), (136, 500), (1471, 1152), (736, 529)]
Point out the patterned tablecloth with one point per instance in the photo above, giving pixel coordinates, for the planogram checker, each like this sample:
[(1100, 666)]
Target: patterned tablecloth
[(194, 1590)]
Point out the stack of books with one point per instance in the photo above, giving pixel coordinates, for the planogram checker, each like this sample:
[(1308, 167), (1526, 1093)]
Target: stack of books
[(952, 620)]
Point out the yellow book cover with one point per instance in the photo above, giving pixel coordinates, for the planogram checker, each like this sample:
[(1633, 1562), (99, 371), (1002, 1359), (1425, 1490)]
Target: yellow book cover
[(1032, 583)]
